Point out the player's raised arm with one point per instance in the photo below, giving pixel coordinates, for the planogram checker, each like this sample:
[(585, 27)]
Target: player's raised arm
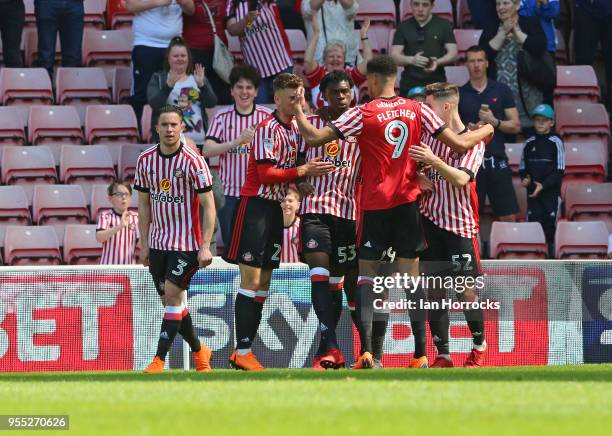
[(455, 176), (313, 136), (464, 142)]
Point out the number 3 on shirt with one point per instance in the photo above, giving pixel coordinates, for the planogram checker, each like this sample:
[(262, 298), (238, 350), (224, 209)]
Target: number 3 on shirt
[(396, 134)]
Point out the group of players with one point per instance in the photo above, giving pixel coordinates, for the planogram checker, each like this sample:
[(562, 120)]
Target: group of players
[(382, 184)]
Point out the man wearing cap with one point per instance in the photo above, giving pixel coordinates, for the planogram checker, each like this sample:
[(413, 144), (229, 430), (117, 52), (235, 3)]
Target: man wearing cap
[(541, 170)]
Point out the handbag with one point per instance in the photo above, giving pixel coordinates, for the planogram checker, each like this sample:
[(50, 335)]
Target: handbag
[(223, 61), (540, 72)]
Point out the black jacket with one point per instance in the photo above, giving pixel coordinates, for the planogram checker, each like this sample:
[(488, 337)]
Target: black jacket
[(543, 159)]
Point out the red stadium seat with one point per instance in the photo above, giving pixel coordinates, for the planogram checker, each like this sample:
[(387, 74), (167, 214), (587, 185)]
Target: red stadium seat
[(30, 44), (80, 245), (117, 15), (12, 125), (94, 13), (31, 245), (58, 205), (465, 39), (457, 75), (82, 86), (14, 205), (107, 48), (441, 8), (127, 160), (379, 39), (580, 119), (585, 239), (145, 123), (464, 16), (122, 84), (297, 43), (576, 82), (54, 124), (86, 166), (25, 86), (518, 241), (114, 149), (99, 201), (514, 151), (589, 202), (378, 11), (585, 162), (105, 123), (28, 165), (521, 198)]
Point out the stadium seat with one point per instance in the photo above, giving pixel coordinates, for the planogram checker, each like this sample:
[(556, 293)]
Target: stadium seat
[(12, 125), (145, 123), (585, 161), (465, 39), (114, 149), (86, 166), (122, 84), (99, 201), (580, 119), (83, 86), (30, 18), (14, 206), (584, 239), (464, 16), (521, 198), (576, 82), (106, 123), (128, 156), (30, 46), (514, 151), (457, 75), (117, 15), (94, 13), (58, 205), (54, 124), (25, 86), (297, 43), (441, 8), (31, 245), (28, 165), (378, 11), (518, 241), (80, 245), (107, 48), (589, 202), (379, 39)]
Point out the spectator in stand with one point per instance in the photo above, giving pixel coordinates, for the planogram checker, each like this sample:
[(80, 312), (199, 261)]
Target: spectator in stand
[(483, 12), (541, 170), (155, 23), (417, 94), (263, 40), (336, 19), (291, 223), (484, 100), (592, 26), (198, 33), (63, 16), (546, 11), (117, 228), (184, 85), (423, 44), (229, 137), (12, 19), (503, 42), (334, 60)]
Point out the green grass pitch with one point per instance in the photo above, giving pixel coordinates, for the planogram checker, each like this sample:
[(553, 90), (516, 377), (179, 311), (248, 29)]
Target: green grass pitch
[(572, 400)]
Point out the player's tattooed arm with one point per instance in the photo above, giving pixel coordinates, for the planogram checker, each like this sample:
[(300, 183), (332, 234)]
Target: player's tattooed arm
[(313, 136), (464, 142), (454, 176), (210, 215)]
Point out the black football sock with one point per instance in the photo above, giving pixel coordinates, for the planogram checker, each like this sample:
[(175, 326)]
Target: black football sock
[(365, 311), (187, 331), (475, 321), (323, 306), (439, 325), (245, 317), (335, 289), (169, 328), (379, 330), (260, 299), (418, 317)]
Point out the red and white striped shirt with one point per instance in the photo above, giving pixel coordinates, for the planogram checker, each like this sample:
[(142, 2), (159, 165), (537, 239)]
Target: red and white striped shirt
[(314, 79), (334, 193), (451, 208), (173, 183), (120, 249), (264, 44), (291, 242), (226, 126), (273, 142)]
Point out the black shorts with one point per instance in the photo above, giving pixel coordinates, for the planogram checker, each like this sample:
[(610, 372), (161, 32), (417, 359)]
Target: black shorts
[(449, 254), (332, 235), (494, 180), (177, 267), (399, 229), (257, 233)]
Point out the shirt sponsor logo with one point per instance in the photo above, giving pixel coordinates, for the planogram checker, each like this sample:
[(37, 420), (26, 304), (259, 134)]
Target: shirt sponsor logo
[(332, 149), (166, 198), (165, 185)]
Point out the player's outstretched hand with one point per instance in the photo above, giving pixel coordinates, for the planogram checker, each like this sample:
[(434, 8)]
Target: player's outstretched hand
[(144, 256), (317, 167), (204, 257), (422, 153)]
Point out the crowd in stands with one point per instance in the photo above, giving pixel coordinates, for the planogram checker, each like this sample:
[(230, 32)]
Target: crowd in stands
[(508, 56)]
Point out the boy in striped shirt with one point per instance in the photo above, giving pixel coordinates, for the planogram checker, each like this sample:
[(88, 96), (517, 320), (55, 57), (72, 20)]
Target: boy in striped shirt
[(291, 223), (450, 221), (117, 228)]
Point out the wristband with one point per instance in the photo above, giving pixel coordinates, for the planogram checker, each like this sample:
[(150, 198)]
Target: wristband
[(498, 123), (363, 39)]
